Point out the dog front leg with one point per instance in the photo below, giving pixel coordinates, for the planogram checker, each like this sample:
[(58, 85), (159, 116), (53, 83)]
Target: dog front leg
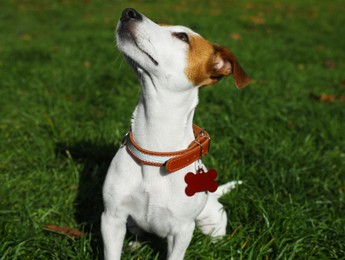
[(113, 233), (178, 242)]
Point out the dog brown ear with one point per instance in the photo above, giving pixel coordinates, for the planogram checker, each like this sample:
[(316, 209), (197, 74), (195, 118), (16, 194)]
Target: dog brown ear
[(224, 64)]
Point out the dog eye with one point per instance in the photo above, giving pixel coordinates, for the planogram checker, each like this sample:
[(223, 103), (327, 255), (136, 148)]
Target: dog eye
[(182, 36)]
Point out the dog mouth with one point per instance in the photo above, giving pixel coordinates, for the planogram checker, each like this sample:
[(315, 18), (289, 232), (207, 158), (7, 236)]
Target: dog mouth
[(128, 35), (145, 52)]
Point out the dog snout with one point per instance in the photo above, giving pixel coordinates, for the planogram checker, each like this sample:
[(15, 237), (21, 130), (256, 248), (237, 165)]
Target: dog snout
[(130, 14)]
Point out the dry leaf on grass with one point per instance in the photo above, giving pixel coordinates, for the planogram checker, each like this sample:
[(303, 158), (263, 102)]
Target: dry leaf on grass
[(65, 231), (330, 64), (327, 98), (257, 19), (235, 36)]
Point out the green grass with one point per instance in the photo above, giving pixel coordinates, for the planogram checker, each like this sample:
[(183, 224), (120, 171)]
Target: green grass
[(66, 97)]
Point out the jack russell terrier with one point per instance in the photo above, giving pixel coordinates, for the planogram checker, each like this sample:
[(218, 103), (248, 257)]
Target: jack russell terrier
[(156, 179)]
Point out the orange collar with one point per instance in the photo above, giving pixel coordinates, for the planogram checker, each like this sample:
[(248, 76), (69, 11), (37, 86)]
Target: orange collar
[(172, 161)]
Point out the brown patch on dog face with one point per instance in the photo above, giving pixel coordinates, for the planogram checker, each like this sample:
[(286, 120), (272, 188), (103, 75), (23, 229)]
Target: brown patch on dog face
[(208, 63), (198, 59)]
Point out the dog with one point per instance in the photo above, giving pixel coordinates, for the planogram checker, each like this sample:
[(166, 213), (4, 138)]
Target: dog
[(146, 181)]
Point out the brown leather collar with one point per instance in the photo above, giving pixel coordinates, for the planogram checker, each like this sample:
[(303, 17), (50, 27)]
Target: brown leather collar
[(172, 161)]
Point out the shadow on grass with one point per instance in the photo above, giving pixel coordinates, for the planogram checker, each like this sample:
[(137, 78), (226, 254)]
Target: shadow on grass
[(96, 159)]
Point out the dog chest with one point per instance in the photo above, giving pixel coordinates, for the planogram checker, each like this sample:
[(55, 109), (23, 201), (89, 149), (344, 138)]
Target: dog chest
[(159, 209)]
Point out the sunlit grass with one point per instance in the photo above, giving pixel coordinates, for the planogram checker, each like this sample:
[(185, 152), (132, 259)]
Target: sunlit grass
[(67, 97)]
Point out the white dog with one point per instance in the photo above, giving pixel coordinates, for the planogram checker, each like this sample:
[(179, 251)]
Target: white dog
[(147, 178)]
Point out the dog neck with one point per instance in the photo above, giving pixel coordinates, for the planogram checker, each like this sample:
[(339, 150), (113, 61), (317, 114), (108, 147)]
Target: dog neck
[(163, 118)]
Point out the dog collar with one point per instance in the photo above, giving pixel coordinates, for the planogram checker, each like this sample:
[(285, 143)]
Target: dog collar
[(172, 161)]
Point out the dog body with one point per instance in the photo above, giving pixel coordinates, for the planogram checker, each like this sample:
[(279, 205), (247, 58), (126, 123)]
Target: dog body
[(171, 62)]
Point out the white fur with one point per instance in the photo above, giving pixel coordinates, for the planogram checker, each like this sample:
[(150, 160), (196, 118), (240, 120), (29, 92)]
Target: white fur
[(162, 121)]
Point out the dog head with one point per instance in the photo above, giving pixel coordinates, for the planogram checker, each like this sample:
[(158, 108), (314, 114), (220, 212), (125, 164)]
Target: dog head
[(174, 53)]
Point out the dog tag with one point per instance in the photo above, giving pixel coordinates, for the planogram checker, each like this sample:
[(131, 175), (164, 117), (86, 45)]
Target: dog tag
[(201, 181)]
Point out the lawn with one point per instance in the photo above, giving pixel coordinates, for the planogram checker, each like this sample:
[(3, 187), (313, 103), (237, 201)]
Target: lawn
[(66, 98)]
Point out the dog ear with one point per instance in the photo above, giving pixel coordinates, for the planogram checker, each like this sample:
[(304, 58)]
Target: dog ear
[(224, 64)]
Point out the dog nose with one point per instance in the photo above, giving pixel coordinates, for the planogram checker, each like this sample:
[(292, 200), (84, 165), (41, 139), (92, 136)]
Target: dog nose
[(130, 13)]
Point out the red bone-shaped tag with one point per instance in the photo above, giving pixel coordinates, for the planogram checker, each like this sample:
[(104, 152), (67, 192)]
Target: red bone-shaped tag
[(201, 181)]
